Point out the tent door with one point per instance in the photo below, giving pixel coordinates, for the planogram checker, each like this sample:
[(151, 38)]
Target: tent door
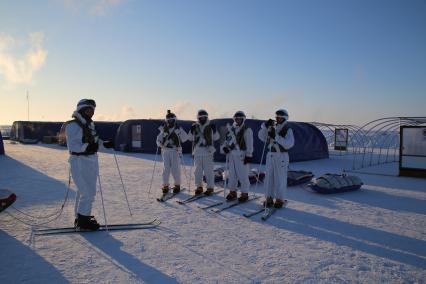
[(137, 136)]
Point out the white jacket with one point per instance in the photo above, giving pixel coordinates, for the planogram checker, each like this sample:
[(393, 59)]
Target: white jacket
[(180, 132), (287, 142), (231, 139), (203, 151)]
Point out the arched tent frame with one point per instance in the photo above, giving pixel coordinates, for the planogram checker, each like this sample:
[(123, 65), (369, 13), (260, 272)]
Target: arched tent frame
[(355, 137), (374, 143), (381, 141)]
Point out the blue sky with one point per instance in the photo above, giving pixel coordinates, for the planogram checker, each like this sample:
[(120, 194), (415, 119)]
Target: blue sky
[(336, 61)]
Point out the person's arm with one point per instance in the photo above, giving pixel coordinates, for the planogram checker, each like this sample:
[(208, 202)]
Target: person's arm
[(74, 135), (215, 134), (263, 133), (248, 136), (183, 136), (288, 141), (160, 137)]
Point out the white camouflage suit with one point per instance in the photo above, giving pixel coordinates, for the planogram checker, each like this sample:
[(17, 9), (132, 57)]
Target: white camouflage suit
[(238, 171), (171, 153), (276, 161), (84, 169), (203, 156)]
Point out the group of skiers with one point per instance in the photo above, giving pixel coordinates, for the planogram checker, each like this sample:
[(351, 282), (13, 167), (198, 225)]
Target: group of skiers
[(83, 143)]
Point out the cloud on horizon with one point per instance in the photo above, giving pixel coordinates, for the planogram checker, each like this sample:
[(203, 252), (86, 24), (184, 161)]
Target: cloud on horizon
[(126, 112), (95, 8), (20, 69)]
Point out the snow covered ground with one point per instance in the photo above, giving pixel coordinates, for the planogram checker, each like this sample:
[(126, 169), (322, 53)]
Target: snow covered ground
[(377, 234)]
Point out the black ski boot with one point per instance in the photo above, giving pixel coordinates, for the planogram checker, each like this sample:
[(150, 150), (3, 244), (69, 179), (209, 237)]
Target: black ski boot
[(243, 197), (280, 203), (165, 189), (232, 195), (87, 223), (209, 191), (269, 202), (199, 190), (176, 189)]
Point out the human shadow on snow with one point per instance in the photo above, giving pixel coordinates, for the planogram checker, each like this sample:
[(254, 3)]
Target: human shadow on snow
[(112, 247), (372, 241), (19, 263), (31, 186), (385, 200)]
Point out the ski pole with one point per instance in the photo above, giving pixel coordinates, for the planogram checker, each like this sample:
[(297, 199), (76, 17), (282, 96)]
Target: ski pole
[(102, 200), (225, 178), (153, 171), (192, 166), (260, 166), (180, 153), (122, 184)]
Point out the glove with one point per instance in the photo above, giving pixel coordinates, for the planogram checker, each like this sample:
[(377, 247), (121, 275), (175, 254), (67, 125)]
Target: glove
[(247, 160), (269, 123), (213, 127), (193, 128), (271, 133), (92, 148), (108, 144), (226, 150)]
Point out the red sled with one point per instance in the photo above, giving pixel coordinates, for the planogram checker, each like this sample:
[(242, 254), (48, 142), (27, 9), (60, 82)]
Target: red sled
[(7, 198)]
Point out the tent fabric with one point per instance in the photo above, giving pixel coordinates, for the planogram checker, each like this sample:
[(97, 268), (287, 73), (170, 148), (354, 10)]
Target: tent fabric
[(310, 143), (33, 131), (106, 130), (139, 135), (1, 145)]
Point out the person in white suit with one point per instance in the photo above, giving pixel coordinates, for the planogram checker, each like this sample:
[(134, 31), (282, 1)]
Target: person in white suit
[(203, 134), (83, 143), (170, 140), (238, 146), (279, 139)]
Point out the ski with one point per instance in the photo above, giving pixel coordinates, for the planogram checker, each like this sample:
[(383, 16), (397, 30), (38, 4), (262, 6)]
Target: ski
[(196, 197), (212, 205), (248, 215), (168, 196), (113, 227), (217, 210), (268, 213)]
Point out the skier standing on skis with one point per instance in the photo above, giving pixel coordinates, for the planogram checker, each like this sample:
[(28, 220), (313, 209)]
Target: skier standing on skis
[(83, 144), (238, 146), (203, 134), (279, 139), (170, 141)]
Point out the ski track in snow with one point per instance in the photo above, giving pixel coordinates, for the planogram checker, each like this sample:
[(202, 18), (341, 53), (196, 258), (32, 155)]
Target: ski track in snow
[(377, 234)]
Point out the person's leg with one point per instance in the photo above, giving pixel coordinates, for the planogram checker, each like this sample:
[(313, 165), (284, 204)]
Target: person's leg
[(175, 167), (166, 168), (209, 172), (198, 172)]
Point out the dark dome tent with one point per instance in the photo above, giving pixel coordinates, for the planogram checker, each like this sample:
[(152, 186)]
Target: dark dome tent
[(105, 129), (310, 143), (34, 131), (1, 145), (140, 135)]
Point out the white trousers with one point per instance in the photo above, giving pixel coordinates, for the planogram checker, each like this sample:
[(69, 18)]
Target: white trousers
[(204, 165), (276, 175), (84, 171), (171, 161), (238, 172)]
